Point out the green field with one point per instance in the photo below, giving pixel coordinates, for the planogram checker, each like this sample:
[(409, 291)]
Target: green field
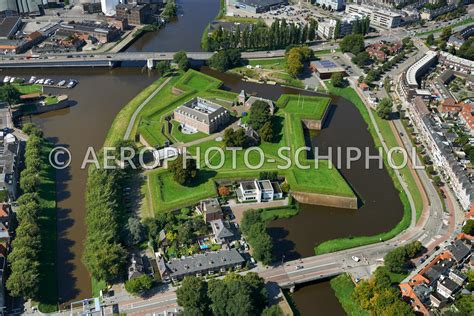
[(307, 107), (350, 242), (343, 288), (167, 194), (275, 213)]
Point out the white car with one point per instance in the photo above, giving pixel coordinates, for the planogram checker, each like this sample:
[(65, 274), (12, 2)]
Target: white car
[(356, 259)]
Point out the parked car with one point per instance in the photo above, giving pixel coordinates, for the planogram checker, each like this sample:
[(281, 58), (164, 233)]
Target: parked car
[(356, 259)]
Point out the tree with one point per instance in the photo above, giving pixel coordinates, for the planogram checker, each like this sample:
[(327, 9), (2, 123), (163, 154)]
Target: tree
[(353, 43), (266, 132), (9, 94), (170, 9), (135, 232), (313, 26), (139, 285), (259, 114), (235, 138), (384, 109), (337, 80), (361, 59), (467, 49), (430, 40), (295, 57), (24, 279), (437, 181), (396, 260), (255, 231), (273, 310), (225, 60), (163, 67), (468, 228), (181, 59), (445, 34), (337, 29), (223, 191), (192, 296), (183, 171), (104, 260)]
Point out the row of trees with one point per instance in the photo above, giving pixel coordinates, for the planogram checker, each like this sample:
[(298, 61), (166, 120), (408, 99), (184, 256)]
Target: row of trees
[(296, 57), (104, 253), (261, 120), (9, 94), (258, 36), (397, 260), (358, 27), (24, 279), (375, 73), (255, 231), (234, 295), (170, 9), (384, 108)]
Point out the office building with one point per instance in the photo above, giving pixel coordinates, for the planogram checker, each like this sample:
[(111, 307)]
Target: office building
[(259, 6), (136, 14), (379, 17), (202, 115), (9, 25)]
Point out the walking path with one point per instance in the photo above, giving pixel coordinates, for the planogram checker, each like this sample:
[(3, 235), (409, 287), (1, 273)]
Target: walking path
[(140, 107)]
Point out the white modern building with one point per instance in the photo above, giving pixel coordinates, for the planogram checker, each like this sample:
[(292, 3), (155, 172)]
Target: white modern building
[(379, 17), (336, 5), (108, 6), (258, 191), (327, 29)]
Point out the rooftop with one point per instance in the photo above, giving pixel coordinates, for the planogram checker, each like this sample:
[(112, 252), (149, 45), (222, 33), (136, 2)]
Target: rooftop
[(202, 110), (413, 70), (261, 3), (202, 262), (7, 25)]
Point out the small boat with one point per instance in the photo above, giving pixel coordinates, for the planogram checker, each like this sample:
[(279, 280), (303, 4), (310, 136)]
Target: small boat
[(61, 83)]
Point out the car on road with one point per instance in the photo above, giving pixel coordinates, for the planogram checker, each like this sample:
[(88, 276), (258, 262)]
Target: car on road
[(356, 259), (299, 267)]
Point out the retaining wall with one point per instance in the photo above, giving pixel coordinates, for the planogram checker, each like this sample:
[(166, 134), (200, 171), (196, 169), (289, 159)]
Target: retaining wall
[(325, 200)]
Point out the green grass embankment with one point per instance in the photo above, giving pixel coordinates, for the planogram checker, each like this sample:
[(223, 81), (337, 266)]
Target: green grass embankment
[(343, 288)]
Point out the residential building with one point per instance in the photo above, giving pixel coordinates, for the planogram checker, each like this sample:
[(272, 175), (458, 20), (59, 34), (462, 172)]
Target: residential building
[(108, 6), (432, 135), (457, 40), (336, 5), (379, 17), (327, 28), (9, 25), (428, 14), (5, 213), (456, 63), (221, 232), (258, 191), (460, 250), (93, 7), (136, 14), (410, 79), (467, 118), (9, 159), (324, 68), (200, 264), (259, 6), (447, 287), (211, 210), (203, 115), (381, 51)]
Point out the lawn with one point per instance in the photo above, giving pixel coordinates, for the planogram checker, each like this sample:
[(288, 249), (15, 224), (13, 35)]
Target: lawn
[(343, 288), (177, 135), (350, 242), (323, 180), (439, 30), (51, 100), (193, 79), (275, 213), (268, 63), (47, 222), (307, 107), (167, 194), (28, 88)]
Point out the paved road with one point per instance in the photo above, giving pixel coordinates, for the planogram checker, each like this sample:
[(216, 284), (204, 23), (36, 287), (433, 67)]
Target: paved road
[(140, 107)]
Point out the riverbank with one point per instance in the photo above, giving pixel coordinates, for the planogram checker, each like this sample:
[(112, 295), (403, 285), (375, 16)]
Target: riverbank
[(343, 288)]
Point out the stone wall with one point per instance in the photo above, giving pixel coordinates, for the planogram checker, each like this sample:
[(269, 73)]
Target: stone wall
[(325, 200)]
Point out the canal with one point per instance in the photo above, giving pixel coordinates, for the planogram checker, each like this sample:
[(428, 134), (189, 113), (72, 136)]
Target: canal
[(101, 93), (182, 33)]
